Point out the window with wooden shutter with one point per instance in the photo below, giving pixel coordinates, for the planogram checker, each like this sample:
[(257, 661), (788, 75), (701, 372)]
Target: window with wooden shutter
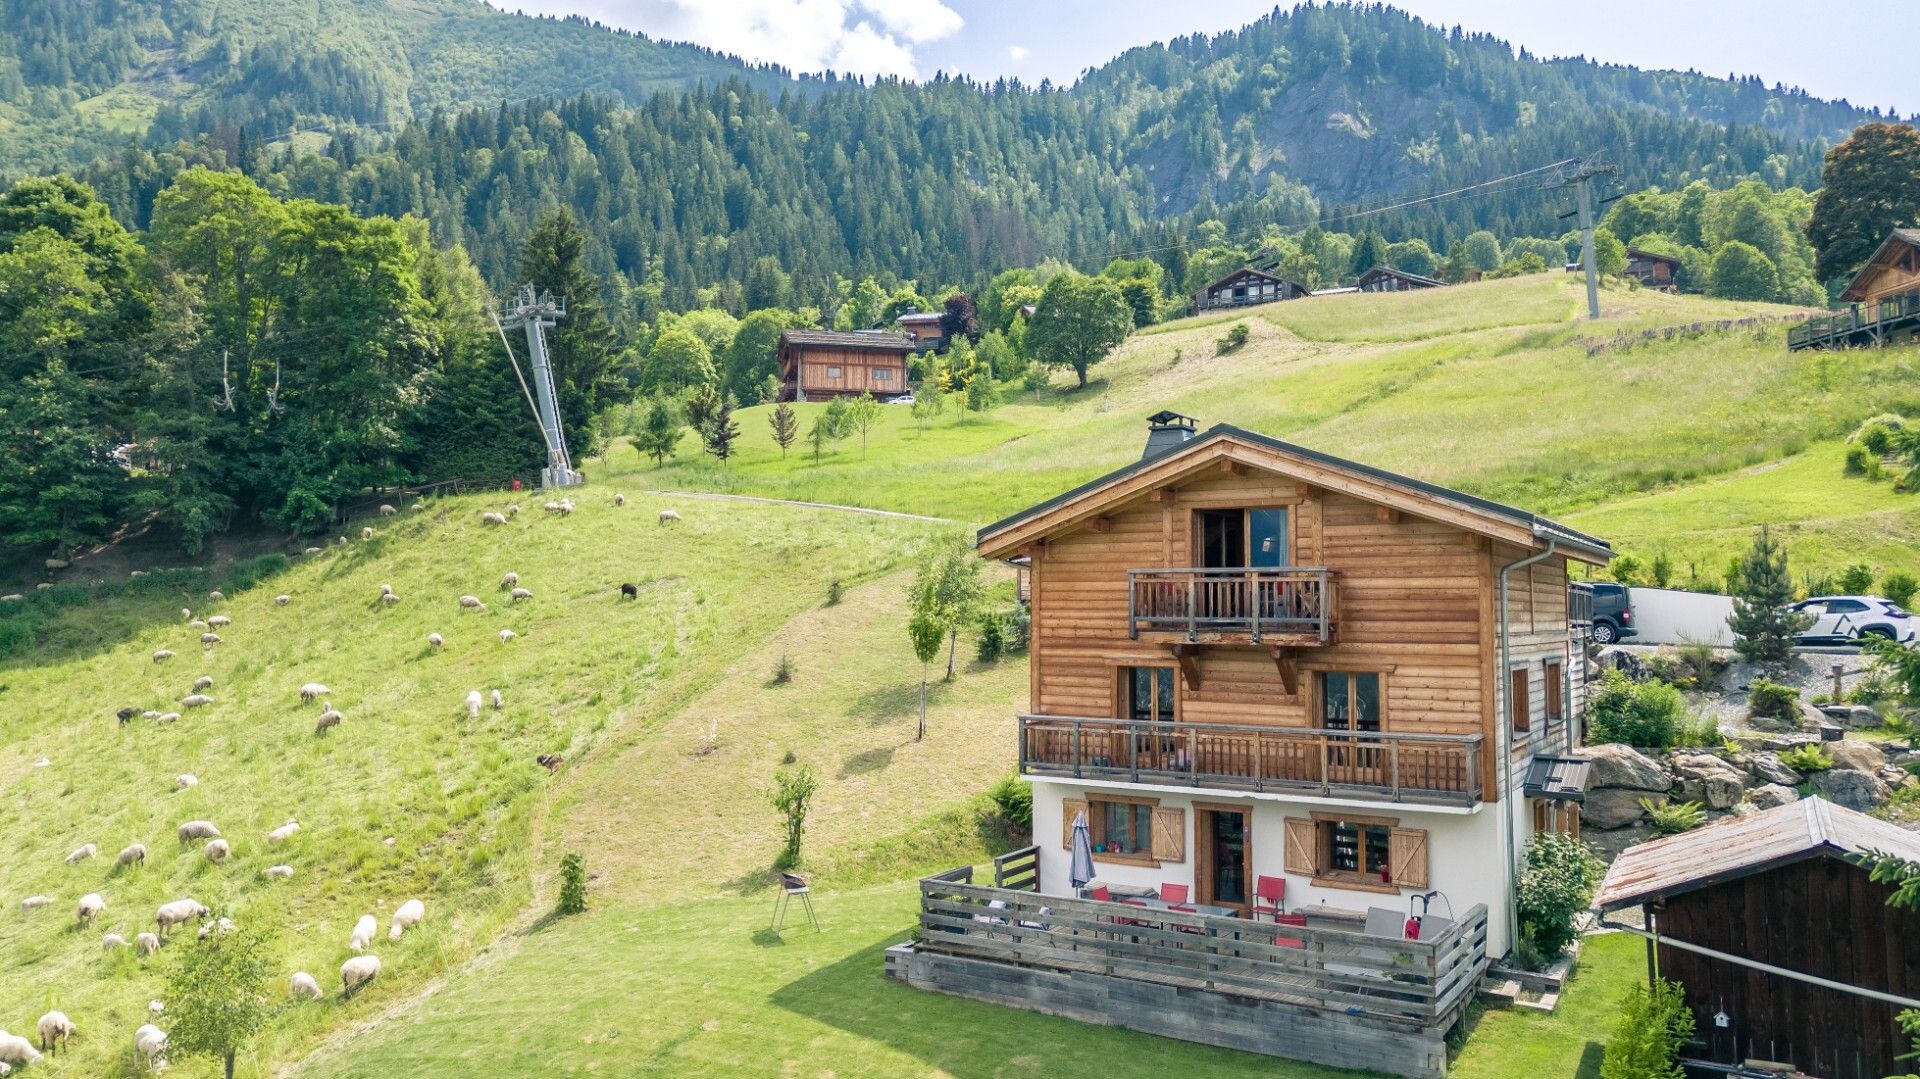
[(1069, 809), (1169, 834), (1303, 846), (1407, 857)]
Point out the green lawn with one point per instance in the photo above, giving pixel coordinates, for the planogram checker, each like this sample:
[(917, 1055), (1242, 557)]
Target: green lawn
[(1569, 1043)]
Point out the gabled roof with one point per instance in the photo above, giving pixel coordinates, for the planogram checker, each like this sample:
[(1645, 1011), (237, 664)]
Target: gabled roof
[(1225, 441), (1641, 253), (876, 341), (1742, 846), (1248, 271), (1895, 240), (920, 316), (1384, 270)]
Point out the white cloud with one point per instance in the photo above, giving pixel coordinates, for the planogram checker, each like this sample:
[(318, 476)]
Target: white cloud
[(853, 37), (1017, 52)]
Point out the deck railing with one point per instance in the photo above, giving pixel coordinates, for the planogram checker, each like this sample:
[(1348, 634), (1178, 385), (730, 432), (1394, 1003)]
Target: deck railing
[(1343, 970), (1296, 601), (1392, 766), (1855, 322)]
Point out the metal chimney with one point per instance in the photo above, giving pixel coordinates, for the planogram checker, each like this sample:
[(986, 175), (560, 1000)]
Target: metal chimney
[(1166, 431)]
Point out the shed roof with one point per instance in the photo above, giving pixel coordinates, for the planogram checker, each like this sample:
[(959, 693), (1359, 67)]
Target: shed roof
[(920, 316), (871, 339), (1384, 270), (1643, 253), (1249, 271), (1742, 846), (1895, 240)]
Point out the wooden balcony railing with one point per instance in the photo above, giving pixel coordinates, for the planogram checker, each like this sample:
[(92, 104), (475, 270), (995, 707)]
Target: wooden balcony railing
[(1292, 603), (1861, 323), (1391, 766)]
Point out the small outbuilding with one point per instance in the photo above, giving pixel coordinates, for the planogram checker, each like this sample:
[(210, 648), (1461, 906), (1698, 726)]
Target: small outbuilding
[(1653, 271), (1245, 287), (1385, 278), (819, 365), (926, 328), (1786, 948)]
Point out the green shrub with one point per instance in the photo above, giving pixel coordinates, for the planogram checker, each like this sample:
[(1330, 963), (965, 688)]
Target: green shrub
[(1899, 586), (833, 592), (1661, 569), (792, 796), (1234, 340), (1654, 1024), (1556, 884), (1013, 800), (1672, 818), (1019, 629), (17, 635), (1860, 463), (1773, 700), (1806, 757), (993, 637), (573, 884), (1881, 435), (1646, 714), (1855, 579), (1628, 569), (783, 671)]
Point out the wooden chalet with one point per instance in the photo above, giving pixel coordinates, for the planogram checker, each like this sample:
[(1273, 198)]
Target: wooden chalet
[(1245, 287), (1883, 301), (1786, 949), (1653, 271), (1385, 278), (1258, 670), (925, 328), (818, 365)]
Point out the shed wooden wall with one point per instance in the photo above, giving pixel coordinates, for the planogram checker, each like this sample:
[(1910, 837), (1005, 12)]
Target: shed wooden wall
[(1821, 916), (857, 367)]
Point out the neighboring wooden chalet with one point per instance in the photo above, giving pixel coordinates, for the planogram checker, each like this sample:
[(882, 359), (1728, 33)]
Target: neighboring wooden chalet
[(925, 328), (818, 365), (1883, 301), (1245, 287), (1653, 271), (1267, 675), (1786, 949), (1387, 279)]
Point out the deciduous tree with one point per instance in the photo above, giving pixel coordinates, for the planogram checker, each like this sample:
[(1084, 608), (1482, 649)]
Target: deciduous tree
[(217, 995), (1869, 185), (1079, 321)]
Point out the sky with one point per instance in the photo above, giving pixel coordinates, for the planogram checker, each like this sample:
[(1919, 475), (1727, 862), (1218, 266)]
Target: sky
[(1860, 51)]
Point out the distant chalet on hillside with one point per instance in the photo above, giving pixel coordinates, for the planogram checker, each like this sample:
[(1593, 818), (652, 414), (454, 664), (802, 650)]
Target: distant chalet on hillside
[(1653, 271), (819, 365), (1384, 278), (925, 328), (1883, 301), (1245, 287)]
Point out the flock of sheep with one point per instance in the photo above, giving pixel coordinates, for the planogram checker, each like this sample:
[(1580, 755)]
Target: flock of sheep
[(150, 1042)]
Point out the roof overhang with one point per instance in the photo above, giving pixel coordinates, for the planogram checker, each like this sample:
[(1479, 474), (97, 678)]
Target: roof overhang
[(1233, 445), (1895, 240), (1561, 779)]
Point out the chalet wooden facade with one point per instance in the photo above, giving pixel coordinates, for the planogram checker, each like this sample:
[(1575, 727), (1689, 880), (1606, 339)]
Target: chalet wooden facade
[(1883, 301), (1388, 279), (1246, 287), (925, 329), (1786, 949), (817, 365), (1653, 271)]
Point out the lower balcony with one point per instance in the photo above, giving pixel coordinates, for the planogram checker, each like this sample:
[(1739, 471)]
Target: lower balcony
[(1387, 766)]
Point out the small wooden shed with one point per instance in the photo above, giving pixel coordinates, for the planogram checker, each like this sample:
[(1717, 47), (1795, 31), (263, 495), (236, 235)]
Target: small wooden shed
[(1653, 271), (819, 365), (1788, 952)]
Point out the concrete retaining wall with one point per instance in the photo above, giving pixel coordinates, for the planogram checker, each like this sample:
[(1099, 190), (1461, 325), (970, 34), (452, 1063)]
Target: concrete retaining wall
[(1666, 616)]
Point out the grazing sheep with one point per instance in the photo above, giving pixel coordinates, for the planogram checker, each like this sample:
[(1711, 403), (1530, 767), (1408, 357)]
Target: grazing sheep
[(16, 1052), (167, 717), (178, 912), (219, 620), (162, 655), (436, 642), (90, 907), (145, 943), (357, 972), (34, 902), (513, 509), (150, 1042), (507, 635), (57, 563), (133, 854), (386, 510), (519, 594), (196, 624), (389, 599), (217, 596), (197, 829), (630, 591), (366, 533), (186, 613), (409, 915), (203, 683), (386, 590), (282, 601), (150, 714), (312, 691), (619, 499), (315, 550), (363, 930), (195, 700), (82, 852), (417, 507), (207, 929), (137, 573), (341, 540), (277, 872), (187, 780), (551, 507), (209, 638), (154, 1007), (217, 851), (55, 1028), (492, 518), (284, 832), (13, 597), (472, 603), (498, 703), (303, 985), (125, 714), (550, 761), (509, 580), (566, 507), (668, 515), (473, 704), (328, 720), (110, 941)]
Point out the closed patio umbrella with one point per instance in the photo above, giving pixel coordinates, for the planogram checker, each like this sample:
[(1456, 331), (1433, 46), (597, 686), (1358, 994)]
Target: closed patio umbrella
[(1082, 870)]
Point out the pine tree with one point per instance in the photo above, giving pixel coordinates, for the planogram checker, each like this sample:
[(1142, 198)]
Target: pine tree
[(1763, 627), (722, 430), (786, 426)]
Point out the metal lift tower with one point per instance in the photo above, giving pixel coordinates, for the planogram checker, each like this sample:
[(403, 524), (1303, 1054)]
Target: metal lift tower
[(537, 313)]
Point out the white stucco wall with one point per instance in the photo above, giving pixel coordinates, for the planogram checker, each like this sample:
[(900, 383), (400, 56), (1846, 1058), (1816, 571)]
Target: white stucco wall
[(1665, 616)]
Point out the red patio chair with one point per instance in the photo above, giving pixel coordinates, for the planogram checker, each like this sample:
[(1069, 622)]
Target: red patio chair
[(1173, 893), (1269, 896), (1290, 919), (1102, 894), (1129, 921), (1179, 927)]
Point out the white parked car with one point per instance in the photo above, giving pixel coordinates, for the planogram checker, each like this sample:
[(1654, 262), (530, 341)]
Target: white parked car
[(1845, 619), (903, 399)]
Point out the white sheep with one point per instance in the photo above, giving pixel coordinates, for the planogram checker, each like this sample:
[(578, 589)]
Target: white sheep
[(132, 854), (357, 972), (436, 642), (150, 714), (167, 717), (473, 704), (566, 507), (207, 929), (145, 943), (154, 1007), (668, 515), (162, 655), (417, 507), (472, 603), (282, 600), (13, 597), (197, 624), (186, 780), (409, 915), (150, 1042), (186, 613), (178, 912), (278, 872), (509, 580), (110, 941), (492, 518), (619, 499), (209, 638), (507, 635), (386, 590), (366, 533), (197, 829), (15, 1051), (34, 902), (313, 691), (315, 550), (329, 719), (303, 985), (386, 510), (217, 596), (57, 563), (217, 851), (284, 832), (389, 599), (203, 683), (498, 702), (513, 509), (195, 700), (551, 507), (55, 1028), (362, 936), (219, 620), (82, 852), (91, 906)]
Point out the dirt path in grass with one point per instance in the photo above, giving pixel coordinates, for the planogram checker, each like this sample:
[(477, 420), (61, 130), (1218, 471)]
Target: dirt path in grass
[(803, 505)]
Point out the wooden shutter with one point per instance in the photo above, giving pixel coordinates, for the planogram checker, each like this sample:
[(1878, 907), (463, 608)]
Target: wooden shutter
[(1169, 834), (1407, 857), (1303, 846), (1069, 809)]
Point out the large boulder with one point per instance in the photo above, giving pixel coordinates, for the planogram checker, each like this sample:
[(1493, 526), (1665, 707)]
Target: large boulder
[(1625, 768), (1773, 794), (1707, 779), (1856, 755), (1608, 845), (1767, 767), (1855, 790), (1614, 807), (1857, 716)]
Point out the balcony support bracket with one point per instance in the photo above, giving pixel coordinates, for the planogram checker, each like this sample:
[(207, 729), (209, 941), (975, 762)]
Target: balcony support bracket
[(1188, 657), (1289, 675)]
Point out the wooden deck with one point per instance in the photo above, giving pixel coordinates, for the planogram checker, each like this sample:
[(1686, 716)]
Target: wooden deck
[(1292, 606), (1860, 324), (1324, 992), (1389, 766)]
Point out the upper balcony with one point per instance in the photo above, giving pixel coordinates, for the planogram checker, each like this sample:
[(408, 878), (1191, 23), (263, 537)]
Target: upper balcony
[(1294, 606)]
